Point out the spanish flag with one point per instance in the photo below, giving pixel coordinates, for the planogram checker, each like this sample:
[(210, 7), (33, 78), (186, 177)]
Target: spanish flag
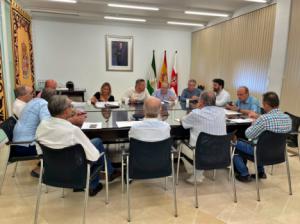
[(164, 71)]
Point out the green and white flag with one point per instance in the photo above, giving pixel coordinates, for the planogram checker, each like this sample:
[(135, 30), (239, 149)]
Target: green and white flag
[(151, 81)]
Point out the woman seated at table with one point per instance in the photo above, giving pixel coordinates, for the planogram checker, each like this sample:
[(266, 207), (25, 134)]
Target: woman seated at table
[(103, 95)]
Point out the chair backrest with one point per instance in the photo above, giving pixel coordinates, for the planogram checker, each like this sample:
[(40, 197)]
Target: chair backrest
[(213, 151), (292, 139), (271, 148), (8, 127), (149, 159), (64, 167)]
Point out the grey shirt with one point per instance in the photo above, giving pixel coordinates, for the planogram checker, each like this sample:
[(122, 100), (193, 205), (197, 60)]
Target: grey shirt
[(186, 94)]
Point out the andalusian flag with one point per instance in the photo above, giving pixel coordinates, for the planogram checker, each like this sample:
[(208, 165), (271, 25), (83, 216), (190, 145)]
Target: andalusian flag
[(174, 76), (164, 71), (151, 82)]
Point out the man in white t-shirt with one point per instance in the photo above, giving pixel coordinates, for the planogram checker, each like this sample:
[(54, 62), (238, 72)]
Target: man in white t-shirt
[(222, 96), (137, 94), (23, 95)]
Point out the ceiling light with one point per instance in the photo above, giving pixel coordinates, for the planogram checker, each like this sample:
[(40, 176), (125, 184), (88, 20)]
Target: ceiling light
[(260, 1), (184, 24), (65, 1), (124, 19), (206, 13), (133, 7)]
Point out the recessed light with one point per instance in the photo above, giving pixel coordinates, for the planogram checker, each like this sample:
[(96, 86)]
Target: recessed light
[(133, 7), (185, 24), (260, 1), (64, 1), (200, 13), (124, 19)]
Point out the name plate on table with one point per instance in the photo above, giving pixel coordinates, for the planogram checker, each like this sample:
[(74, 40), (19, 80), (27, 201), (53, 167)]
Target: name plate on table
[(107, 105), (91, 125)]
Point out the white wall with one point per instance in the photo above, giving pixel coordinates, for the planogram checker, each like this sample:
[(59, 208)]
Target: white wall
[(72, 51)]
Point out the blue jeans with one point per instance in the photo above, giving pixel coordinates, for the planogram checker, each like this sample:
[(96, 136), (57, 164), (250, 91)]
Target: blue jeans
[(100, 162), (240, 162)]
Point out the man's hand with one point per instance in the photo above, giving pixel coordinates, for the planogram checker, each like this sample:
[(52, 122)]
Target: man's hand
[(78, 118), (253, 115), (231, 107), (194, 98)]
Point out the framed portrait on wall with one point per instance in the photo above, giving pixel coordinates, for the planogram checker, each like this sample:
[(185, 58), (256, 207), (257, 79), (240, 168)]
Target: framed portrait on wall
[(119, 53)]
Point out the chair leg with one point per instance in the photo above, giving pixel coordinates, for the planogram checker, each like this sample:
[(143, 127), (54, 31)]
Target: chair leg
[(15, 170), (122, 173), (299, 151), (63, 193), (127, 183), (3, 178), (166, 182), (195, 182), (106, 180), (256, 174), (178, 164), (174, 186), (37, 206), (272, 167), (214, 174), (46, 189), (233, 179), (86, 194), (288, 173)]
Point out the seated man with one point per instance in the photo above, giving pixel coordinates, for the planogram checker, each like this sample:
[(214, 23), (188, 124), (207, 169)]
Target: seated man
[(192, 92), (274, 120), (151, 129), (164, 93), (222, 96), (137, 94), (57, 132), (23, 95), (206, 118), (245, 103)]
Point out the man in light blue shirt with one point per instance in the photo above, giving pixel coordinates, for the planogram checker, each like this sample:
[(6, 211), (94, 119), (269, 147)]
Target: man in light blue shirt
[(164, 93), (245, 103), (192, 92)]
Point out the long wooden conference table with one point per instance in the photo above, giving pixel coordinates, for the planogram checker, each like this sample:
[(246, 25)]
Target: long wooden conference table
[(111, 132)]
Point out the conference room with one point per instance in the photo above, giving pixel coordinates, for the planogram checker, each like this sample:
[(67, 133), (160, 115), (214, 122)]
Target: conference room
[(149, 111)]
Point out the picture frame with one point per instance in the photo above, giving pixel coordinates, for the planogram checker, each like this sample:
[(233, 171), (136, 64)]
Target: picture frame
[(119, 53)]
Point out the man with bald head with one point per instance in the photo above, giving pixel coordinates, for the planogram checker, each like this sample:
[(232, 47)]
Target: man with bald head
[(164, 93), (151, 129), (245, 104), (50, 84), (206, 118), (23, 95)]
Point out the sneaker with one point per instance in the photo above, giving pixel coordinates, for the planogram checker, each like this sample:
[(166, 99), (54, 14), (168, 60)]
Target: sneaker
[(244, 179), (260, 175), (198, 179), (93, 192), (114, 175)]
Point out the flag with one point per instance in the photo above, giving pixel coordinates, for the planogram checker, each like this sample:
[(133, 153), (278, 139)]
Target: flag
[(164, 72), (151, 82), (174, 76)]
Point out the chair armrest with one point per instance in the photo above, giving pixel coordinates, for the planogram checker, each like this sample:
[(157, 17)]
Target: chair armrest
[(294, 133), (91, 162), (250, 142), (20, 143)]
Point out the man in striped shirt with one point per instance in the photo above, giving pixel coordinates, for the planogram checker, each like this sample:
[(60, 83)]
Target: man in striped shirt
[(207, 118), (273, 120)]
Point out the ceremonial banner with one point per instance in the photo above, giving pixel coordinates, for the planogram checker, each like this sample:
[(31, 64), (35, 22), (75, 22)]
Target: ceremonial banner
[(3, 111), (151, 81), (174, 76), (164, 71), (22, 46)]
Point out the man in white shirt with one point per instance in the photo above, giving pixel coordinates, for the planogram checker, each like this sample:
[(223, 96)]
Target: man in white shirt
[(151, 129), (206, 118), (222, 96), (137, 94), (57, 132), (23, 95)]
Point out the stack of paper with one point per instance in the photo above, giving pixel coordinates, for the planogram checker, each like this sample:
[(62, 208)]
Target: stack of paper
[(91, 125), (240, 120), (231, 112), (122, 124), (107, 104)]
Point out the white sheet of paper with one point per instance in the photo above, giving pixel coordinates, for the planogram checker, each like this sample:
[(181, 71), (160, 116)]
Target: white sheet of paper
[(239, 120), (231, 112), (91, 125), (115, 103), (102, 104), (122, 124), (78, 104)]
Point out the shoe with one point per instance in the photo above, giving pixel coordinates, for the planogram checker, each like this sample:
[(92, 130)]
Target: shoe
[(198, 179), (244, 179), (260, 175), (78, 189), (34, 174), (114, 175), (93, 192)]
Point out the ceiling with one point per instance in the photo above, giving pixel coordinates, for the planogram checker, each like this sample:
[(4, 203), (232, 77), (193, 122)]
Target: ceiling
[(169, 9)]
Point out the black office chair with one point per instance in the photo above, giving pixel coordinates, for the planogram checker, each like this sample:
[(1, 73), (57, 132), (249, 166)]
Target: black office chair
[(270, 149), (294, 135), (67, 168), (147, 160), (8, 126), (213, 152)]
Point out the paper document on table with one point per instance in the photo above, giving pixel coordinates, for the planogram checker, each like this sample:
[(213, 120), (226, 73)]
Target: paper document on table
[(177, 119), (122, 124), (91, 125), (231, 112), (107, 104), (240, 120), (78, 104)]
